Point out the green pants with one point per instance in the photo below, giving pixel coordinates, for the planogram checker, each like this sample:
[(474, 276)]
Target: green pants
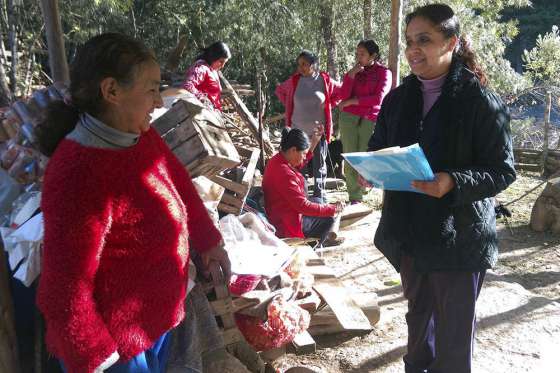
[(354, 134)]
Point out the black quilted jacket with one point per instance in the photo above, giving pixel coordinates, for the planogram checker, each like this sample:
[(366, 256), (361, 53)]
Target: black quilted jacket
[(467, 134)]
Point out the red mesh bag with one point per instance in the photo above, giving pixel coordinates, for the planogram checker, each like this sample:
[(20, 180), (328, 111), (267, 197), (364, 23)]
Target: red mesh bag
[(285, 321), (241, 284)]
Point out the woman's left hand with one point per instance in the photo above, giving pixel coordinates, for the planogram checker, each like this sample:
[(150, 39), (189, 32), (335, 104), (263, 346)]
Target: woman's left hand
[(439, 187), (218, 255), (350, 101)]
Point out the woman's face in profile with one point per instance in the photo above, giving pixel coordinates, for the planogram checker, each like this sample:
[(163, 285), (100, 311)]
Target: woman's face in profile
[(428, 52), (219, 63)]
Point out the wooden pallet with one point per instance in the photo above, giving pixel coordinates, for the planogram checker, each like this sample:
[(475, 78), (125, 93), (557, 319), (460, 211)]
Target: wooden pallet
[(236, 192), (198, 139)]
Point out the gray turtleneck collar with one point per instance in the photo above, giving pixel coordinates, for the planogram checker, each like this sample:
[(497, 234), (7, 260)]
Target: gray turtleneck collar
[(90, 131)]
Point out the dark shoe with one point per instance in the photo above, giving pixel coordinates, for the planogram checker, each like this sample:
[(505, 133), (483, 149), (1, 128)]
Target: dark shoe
[(329, 242)]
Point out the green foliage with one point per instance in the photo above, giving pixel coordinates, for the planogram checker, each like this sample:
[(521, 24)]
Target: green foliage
[(543, 61), (268, 34)]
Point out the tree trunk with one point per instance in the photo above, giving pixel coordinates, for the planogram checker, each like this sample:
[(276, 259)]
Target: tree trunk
[(394, 43), (8, 341), (175, 55), (55, 42), (367, 19), (12, 37), (327, 24)]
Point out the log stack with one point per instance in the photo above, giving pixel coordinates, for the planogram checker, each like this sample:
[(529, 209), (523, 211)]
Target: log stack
[(532, 160)]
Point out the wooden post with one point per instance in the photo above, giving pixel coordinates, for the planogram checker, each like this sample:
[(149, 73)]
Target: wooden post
[(546, 128), (367, 19), (261, 107), (394, 43), (55, 42), (8, 341)]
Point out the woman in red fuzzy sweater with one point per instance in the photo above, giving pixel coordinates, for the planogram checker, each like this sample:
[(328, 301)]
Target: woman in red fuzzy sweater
[(119, 212)]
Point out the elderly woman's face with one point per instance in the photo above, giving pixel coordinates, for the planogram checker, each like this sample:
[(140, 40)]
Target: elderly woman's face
[(304, 67), (428, 52)]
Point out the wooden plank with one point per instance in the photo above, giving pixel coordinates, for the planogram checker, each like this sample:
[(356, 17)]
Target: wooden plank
[(228, 209), (251, 167), (304, 343), (232, 200), (222, 306), (349, 315), (321, 271), (230, 185), (325, 321), (231, 336)]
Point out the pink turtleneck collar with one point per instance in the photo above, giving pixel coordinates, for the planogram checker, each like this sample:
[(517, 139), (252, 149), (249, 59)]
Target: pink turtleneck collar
[(431, 90)]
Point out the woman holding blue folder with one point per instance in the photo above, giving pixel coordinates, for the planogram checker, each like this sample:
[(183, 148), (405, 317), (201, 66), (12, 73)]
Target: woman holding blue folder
[(443, 239)]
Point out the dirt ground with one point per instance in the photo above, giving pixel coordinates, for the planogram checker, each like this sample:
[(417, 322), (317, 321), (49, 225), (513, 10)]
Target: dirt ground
[(518, 310)]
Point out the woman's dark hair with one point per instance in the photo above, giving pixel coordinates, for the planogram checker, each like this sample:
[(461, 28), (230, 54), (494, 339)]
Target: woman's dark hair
[(294, 137), (443, 18), (371, 47), (214, 52), (310, 57), (106, 55)]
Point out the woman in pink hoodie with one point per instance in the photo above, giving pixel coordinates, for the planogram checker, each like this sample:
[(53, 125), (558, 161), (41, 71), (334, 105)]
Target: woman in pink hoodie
[(362, 93), (309, 96)]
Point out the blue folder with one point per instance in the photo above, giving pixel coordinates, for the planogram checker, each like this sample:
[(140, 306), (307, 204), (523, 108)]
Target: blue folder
[(392, 168)]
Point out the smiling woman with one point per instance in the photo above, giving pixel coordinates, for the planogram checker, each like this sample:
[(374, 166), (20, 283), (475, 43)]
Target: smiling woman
[(443, 240), (119, 212)]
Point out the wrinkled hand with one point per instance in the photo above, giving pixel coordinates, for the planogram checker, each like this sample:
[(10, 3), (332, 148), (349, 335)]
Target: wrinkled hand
[(439, 187), (356, 69), (217, 256), (339, 206), (363, 182)]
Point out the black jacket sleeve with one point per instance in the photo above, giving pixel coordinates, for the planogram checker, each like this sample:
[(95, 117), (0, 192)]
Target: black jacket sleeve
[(492, 169)]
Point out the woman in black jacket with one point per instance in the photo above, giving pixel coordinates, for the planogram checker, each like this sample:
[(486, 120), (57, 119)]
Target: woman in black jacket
[(443, 240)]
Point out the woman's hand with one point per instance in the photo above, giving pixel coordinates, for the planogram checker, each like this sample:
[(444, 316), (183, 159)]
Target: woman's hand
[(318, 133), (356, 69), (439, 187), (339, 206), (363, 182), (217, 256), (350, 101)]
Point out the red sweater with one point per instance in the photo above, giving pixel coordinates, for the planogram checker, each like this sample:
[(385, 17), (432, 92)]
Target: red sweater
[(202, 81), (286, 90), (117, 225), (370, 86), (285, 198)]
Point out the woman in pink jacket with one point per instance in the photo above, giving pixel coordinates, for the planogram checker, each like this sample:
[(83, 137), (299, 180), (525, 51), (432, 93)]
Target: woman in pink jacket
[(202, 78), (362, 93), (308, 96)]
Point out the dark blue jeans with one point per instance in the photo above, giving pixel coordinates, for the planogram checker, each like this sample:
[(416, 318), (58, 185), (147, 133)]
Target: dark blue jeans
[(441, 319), (317, 168)]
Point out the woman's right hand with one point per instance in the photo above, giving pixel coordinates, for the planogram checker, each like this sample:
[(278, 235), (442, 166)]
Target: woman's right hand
[(356, 69), (339, 206)]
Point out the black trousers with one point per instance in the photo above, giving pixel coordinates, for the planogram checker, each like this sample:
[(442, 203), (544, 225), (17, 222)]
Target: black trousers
[(318, 227)]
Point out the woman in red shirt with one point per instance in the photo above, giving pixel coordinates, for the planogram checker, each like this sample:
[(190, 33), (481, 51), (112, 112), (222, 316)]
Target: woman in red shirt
[(202, 78), (362, 93), (285, 190)]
